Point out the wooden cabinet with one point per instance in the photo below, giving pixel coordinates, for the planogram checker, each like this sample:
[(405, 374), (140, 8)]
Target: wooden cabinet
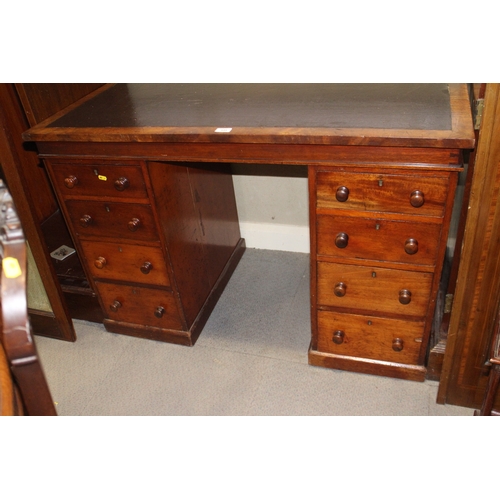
[(136, 253), (379, 242)]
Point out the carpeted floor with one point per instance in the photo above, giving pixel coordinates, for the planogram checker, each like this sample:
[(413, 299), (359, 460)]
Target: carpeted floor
[(251, 359)]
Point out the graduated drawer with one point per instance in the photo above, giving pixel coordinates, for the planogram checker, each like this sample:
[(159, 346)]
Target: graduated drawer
[(370, 337), (136, 263), (373, 289), (113, 220), (118, 181), (140, 305), (374, 192), (409, 242)]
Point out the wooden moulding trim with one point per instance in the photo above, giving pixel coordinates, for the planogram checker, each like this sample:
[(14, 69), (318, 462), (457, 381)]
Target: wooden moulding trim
[(317, 136), (347, 156), (149, 332), (368, 366)]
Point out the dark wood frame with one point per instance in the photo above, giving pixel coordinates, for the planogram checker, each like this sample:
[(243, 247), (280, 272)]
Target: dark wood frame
[(34, 200), (464, 375)]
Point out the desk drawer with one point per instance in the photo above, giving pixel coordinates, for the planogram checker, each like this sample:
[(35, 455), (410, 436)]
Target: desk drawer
[(373, 289), (136, 263), (370, 337), (371, 192), (409, 242), (112, 220), (139, 305), (116, 181)]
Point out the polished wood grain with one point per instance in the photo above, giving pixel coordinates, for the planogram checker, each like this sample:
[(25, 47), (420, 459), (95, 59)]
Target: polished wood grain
[(414, 155), (146, 236), (372, 338), (420, 159), (99, 179), (383, 191), (406, 371), (373, 289), (191, 335), (125, 262), (126, 221), (379, 239), (140, 305), (475, 305), (199, 221)]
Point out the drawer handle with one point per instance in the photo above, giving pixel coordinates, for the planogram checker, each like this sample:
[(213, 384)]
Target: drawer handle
[(146, 267), (417, 199), (411, 246), (100, 262), (341, 240), (340, 289), (70, 182), (159, 311), (115, 306), (134, 224), (397, 345), (342, 194), (85, 220), (404, 297), (338, 337), (121, 184)]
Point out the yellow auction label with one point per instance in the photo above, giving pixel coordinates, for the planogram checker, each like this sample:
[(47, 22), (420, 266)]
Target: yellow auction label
[(102, 177), (11, 267)]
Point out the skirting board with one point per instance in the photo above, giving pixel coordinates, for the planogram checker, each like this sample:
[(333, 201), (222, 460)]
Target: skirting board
[(284, 237)]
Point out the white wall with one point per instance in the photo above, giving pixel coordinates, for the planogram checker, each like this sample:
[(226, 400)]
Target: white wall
[(272, 203)]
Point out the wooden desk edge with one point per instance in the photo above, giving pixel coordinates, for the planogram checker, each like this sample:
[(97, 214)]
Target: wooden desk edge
[(461, 134)]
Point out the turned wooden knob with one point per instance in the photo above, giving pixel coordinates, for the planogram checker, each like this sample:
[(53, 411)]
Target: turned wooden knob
[(404, 297), (146, 267), (397, 345), (121, 184), (411, 246), (338, 337), (340, 289), (134, 224), (159, 311), (115, 306), (70, 182), (85, 220), (341, 240), (417, 199), (342, 194), (100, 262)]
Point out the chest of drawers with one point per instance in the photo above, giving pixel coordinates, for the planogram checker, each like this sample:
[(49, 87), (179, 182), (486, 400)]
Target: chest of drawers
[(140, 257), (379, 237)]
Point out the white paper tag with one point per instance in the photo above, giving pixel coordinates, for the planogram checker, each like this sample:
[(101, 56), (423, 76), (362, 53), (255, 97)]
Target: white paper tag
[(223, 130)]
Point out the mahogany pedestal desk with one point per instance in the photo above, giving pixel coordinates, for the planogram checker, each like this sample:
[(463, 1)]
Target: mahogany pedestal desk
[(142, 174)]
